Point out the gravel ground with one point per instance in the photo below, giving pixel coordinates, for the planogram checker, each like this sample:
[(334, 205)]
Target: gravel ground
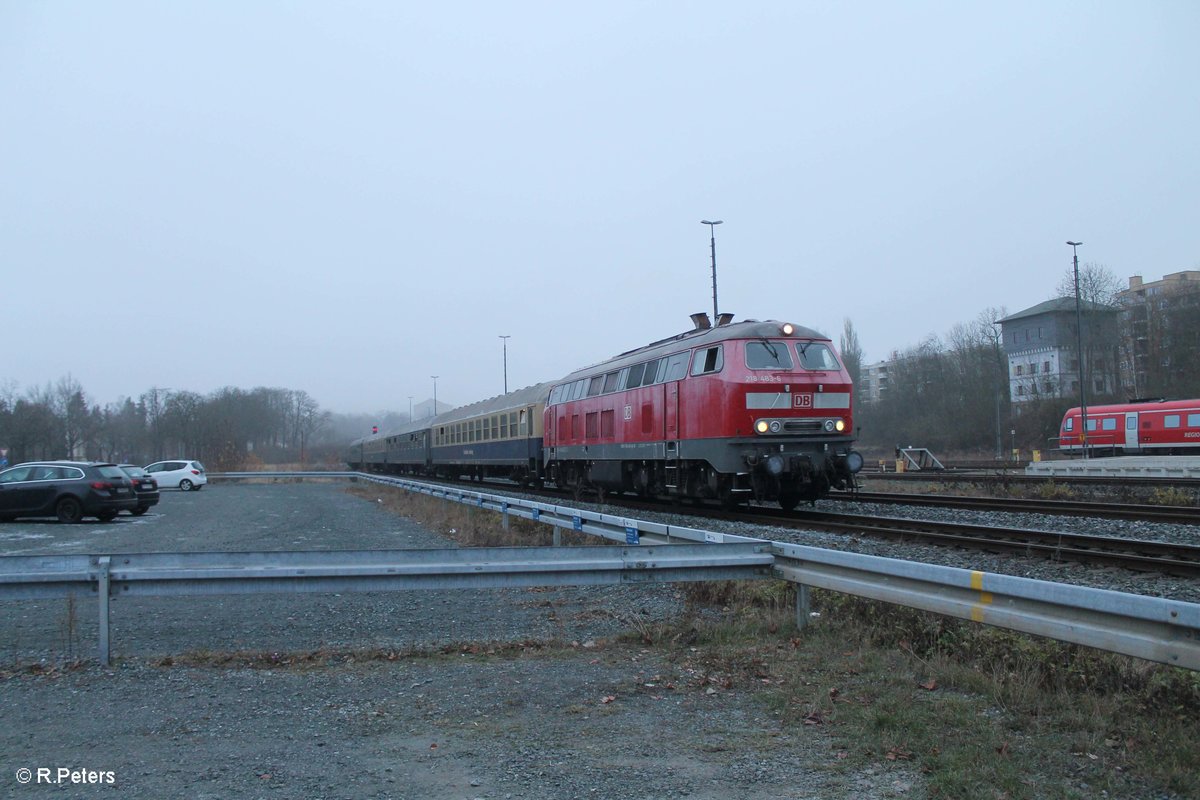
[(174, 718)]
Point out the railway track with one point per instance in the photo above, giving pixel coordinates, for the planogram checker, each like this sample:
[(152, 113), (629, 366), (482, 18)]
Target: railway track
[(1177, 515), (1137, 554), (1167, 558)]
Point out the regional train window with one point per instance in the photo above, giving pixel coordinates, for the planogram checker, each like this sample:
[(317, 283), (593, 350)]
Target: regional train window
[(768, 355), (707, 360), (814, 355), (1171, 421), (1070, 426), (610, 382), (1131, 424), (1110, 424), (1193, 421), (1091, 424)]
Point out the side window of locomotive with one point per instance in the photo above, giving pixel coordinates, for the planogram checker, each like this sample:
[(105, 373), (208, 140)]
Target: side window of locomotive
[(816, 356), (768, 355), (673, 368), (595, 386), (556, 395), (651, 373), (610, 382), (707, 360), (580, 388), (1171, 421), (634, 378)]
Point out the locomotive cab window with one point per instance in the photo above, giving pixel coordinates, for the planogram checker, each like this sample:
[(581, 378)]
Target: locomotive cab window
[(1070, 426), (707, 361), (816, 356), (768, 355)]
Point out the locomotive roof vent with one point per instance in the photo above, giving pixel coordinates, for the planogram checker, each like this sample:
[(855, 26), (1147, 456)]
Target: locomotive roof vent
[(724, 318), (701, 321)]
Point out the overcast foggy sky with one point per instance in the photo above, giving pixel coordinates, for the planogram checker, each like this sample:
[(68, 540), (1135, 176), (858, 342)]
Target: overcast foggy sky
[(347, 198)]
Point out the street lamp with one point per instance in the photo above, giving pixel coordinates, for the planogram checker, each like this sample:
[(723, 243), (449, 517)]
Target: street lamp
[(505, 338), (1083, 429), (435, 377), (410, 397), (712, 232)]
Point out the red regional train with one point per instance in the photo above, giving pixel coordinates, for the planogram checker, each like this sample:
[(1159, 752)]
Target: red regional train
[(740, 411), (1142, 427)]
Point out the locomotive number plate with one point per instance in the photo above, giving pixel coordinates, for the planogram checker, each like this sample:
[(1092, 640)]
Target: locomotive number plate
[(802, 401)]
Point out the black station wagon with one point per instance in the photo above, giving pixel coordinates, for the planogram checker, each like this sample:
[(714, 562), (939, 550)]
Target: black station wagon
[(69, 490)]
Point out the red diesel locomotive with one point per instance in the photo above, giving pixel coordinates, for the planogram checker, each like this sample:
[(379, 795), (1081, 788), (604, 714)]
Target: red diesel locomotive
[(1143, 427), (740, 411)]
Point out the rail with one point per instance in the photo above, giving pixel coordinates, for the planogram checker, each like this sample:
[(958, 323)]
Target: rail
[(1155, 629)]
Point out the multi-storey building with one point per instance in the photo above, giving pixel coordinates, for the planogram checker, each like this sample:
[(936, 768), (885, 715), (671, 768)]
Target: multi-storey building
[(1042, 346), (1159, 336)]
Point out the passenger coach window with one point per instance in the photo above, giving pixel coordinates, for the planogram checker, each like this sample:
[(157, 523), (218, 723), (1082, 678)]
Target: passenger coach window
[(1110, 424), (1171, 421), (814, 355), (768, 355), (1194, 420), (707, 360)]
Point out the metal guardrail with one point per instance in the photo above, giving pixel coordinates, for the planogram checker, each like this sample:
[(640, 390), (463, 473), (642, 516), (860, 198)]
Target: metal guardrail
[(1155, 629)]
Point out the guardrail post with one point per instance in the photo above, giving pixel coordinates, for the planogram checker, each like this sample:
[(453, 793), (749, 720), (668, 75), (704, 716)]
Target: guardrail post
[(102, 586), (557, 535), (504, 511), (803, 605)]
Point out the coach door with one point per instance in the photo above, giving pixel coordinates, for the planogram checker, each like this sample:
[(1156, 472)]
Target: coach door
[(1131, 431)]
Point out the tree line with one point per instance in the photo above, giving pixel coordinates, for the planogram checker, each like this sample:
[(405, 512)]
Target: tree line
[(230, 428)]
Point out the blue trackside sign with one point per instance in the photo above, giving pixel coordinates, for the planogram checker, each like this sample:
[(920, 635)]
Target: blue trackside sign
[(577, 523), (631, 532)]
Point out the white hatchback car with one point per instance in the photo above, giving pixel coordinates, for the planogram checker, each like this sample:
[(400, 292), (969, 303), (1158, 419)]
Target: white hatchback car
[(182, 475)]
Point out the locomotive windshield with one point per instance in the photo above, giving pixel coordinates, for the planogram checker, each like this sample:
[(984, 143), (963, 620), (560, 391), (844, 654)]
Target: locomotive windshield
[(768, 355), (814, 355)]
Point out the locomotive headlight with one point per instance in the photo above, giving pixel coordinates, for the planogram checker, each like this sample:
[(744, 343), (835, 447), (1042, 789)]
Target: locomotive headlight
[(762, 426), (829, 426), (776, 426), (787, 328), (840, 425)]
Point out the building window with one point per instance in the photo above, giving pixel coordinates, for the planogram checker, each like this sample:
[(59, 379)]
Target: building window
[(1019, 368), (1046, 366)]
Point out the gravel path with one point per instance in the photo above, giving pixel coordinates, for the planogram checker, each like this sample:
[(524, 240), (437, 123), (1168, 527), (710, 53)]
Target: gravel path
[(177, 717)]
